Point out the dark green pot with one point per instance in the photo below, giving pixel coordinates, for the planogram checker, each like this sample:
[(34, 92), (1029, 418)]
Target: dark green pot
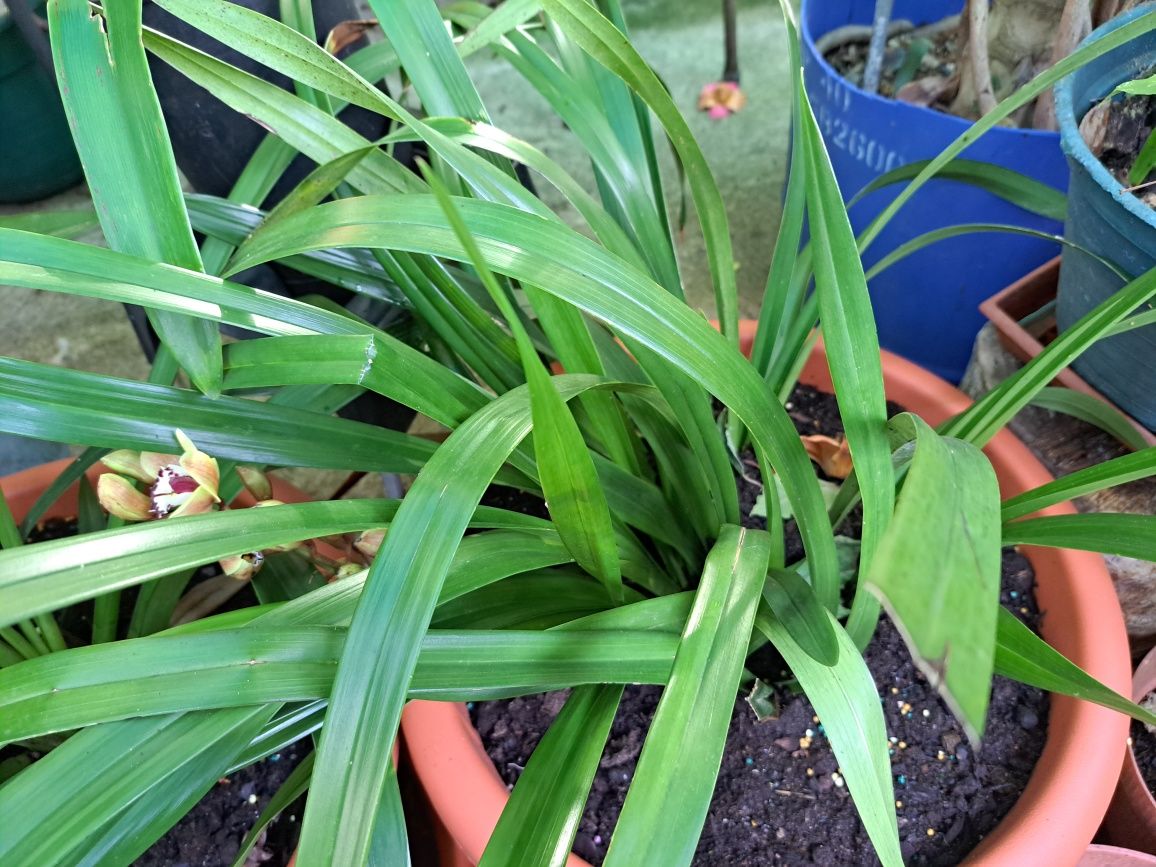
[(37, 157)]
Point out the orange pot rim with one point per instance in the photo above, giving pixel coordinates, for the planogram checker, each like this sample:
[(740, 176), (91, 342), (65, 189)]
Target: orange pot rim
[(1060, 809)]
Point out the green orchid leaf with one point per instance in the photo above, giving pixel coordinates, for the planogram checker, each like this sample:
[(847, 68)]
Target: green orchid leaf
[(793, 603), (686, 739), (845, 698), (111, 106), (1104, 532), (1118, 471), (949, 506), (539, 822), (1022, 655)]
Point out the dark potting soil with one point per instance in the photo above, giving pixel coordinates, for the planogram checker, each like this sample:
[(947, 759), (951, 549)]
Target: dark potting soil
[(1115, 131), (919, 64), (210, 834), (780, 798)]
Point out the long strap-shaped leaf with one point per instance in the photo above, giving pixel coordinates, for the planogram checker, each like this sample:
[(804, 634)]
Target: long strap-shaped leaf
[(1033, 196), (845, 698), (576, 501), (395, 610), (1117, 471), (676, 772), (980, 422), (288, 52), (1104, 532), (70, 807), (610, 47), (1022, 655), (354, 360), (571, 266), (49, 575), (55, 574), (421, 40), (121, 137), (305, 127), (949, 505), (927, 238), (38, 262), (45, 401), (257, 665), (1092, 410), (852, 353), (539, 822), (300, 58)]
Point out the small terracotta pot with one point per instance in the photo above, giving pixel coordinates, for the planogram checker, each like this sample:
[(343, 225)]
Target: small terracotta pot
[(1114, 856), (1131, 819), (1069, 790), (1024, 298)]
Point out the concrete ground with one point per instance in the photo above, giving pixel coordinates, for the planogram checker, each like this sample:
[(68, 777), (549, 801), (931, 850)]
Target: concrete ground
[(683, 42)]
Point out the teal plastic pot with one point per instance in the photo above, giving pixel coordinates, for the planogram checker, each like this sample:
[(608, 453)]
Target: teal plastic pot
[(1110, 223), (37, 157)]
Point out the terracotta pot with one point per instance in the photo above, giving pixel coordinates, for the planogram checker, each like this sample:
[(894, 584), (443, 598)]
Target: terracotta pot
[(1114, 856), (1008, 309), (1069, 790), (1131, 819)]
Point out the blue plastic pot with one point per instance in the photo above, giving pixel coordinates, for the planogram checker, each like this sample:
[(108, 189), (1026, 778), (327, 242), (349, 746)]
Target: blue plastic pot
[(1111, 223), (926, 307)]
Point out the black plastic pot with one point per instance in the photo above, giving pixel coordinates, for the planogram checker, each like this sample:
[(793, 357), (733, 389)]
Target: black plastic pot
[(37, 156), (213, 143)]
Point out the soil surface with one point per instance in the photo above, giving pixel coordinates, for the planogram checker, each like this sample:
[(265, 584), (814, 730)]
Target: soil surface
[(780, 799), (210, 834), (1115, 131), (919, 65), (910, 56)]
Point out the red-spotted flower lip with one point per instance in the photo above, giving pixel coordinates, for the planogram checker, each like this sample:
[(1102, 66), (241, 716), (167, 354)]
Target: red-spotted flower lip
[(175, 485), (172, 489)]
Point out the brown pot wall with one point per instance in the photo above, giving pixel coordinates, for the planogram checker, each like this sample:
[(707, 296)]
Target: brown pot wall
[(1056, 817), (1131, 819)]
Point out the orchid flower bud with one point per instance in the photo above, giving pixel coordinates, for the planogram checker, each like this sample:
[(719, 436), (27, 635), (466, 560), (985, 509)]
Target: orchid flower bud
[(255, 482), (368, 543), (118, 497), (242, 567), (348, 570), (127, 463)]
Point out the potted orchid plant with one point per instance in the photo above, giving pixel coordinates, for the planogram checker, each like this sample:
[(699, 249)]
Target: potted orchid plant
[(565, 365)]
